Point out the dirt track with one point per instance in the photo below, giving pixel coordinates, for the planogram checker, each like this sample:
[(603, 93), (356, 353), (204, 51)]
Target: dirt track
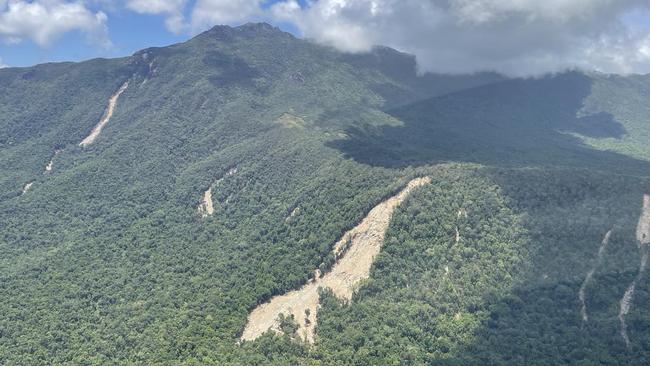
[(357, 250)]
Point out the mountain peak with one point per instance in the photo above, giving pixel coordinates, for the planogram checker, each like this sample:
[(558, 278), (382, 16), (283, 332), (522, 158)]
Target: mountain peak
[(245, 29), (260, 26)]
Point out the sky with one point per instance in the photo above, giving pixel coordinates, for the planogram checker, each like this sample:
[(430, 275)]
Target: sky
[(513, 37)]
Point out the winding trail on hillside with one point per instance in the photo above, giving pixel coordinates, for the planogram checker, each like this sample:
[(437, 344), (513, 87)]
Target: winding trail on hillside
[(582, 294), (355, 252), (108, 113), (643, 239)]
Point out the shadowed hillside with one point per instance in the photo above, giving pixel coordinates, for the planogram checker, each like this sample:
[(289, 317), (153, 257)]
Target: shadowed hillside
[(533, 122)]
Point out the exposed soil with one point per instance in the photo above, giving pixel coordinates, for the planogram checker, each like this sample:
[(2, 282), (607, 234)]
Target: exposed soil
[(112, 102), (50, 165), (461, 213), (643, 228), (27, 187), (582, 294), (293, 213), (356, 250), (150, 73), (626, 301), (643, 239), (289, 120), (206, 207)]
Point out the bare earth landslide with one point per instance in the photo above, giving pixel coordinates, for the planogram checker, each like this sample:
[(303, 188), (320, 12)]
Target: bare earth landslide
[(643, 239), (582, 293), (27, 187), (206, 207), (363, 243), (112, 102)]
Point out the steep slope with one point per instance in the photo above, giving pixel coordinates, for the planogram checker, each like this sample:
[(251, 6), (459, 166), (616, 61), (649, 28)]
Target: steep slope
[(354, 253), (46, 107), (110, 109), (110, 238), (107, 260), (509, 286)]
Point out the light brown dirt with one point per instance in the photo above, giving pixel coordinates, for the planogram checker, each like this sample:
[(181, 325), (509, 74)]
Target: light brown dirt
[(112, 102), (643, 239), (289, 120), (50, 165), (206, 207), (27, 187), (643, 228), (582, 294), (150, 73), (461, 213), (626, 301), (293, 213), (357, 249)]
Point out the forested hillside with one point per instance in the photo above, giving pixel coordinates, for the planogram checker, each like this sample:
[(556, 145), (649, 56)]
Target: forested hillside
[(110, 255)]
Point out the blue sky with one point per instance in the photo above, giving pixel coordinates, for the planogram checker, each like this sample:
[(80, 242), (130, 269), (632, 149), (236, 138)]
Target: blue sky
[(128, 32), (524, 37)]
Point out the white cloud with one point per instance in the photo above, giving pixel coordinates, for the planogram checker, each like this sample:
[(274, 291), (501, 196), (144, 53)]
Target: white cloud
[(517, 37), (2, 64), (207, 13), (204, 13), (173, 9), (155, 6), (43, 21)]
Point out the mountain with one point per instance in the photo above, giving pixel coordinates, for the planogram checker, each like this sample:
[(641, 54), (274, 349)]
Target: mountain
[(151, 207)]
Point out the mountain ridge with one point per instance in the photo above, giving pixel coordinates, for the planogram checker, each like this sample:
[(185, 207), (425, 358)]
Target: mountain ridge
[(109, 259)]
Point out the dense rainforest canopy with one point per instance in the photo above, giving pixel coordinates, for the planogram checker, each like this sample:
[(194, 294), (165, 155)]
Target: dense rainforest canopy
[(107, 261)]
